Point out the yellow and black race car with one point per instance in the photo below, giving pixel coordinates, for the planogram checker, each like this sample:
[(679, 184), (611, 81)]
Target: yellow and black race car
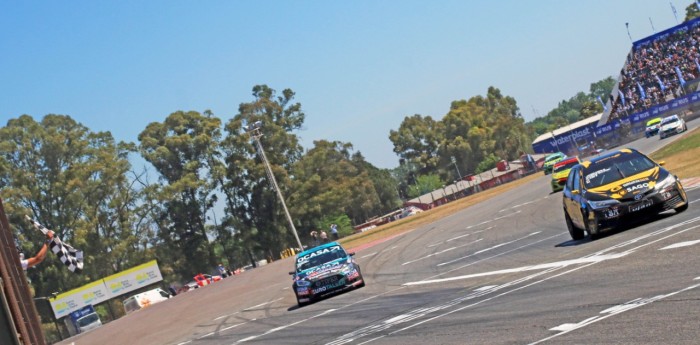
[(601, 193)]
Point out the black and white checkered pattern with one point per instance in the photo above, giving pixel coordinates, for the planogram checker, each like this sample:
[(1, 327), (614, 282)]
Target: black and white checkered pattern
[(70, 256)]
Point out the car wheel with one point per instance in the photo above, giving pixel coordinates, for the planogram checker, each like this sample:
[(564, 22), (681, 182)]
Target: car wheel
[(301, 304), (361, 277), (576, 233)]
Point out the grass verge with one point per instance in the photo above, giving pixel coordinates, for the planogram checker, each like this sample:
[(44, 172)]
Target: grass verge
[(682, 157)]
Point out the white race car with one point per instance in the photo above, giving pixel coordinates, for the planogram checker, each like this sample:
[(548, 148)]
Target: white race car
[(671, 125)]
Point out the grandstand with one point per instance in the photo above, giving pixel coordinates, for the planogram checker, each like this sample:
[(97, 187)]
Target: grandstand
[(660, 76), (569, 138)]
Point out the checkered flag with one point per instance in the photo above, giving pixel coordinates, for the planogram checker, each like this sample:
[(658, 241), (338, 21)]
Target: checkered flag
[(68, 255)]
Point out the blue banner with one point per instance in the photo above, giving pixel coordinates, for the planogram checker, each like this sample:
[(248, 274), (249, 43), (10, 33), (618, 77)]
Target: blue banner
[(568, 142)]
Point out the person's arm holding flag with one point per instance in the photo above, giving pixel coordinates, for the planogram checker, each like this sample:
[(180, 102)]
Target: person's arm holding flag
[(39, 257)]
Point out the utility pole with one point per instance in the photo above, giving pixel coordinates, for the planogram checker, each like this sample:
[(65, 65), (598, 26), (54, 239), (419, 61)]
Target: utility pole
[(454, 161), (254, 132)]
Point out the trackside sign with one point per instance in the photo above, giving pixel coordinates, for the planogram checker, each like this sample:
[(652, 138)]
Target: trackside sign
[(106, 288)]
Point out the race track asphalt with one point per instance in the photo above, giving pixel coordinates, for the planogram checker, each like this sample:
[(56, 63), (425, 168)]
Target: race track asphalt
[(501, 272)]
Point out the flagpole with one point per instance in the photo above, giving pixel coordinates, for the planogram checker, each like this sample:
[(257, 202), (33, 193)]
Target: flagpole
[(673, 8), (627, 25)]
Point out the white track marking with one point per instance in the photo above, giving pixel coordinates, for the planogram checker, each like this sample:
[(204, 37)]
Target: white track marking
[(487, 249), (182, 343), (491, 220), (560, 264), (484, 288), (681, 244), (236, 325), (283, 327), (262, 304), (519, 205), (633, 304), (368, 255), (422, 312), (379, 327), (227, 315), (465, 235), (440, 252), (458, 237), (206, 335)]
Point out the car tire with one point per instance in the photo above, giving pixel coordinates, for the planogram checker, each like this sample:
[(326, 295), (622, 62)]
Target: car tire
[(361, 277), (576, 233), (682, 208), (301, 304)]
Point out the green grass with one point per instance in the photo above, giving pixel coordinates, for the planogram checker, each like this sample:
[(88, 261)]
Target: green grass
[(691, 141)]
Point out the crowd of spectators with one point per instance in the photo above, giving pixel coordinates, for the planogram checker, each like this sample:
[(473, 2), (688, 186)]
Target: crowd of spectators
[(651, 75)]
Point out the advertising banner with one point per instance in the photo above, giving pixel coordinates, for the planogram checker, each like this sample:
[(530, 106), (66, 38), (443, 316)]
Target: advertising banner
[(106, 288)]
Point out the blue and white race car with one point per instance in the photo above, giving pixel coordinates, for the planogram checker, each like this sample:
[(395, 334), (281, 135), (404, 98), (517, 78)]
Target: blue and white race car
[(323, 270)]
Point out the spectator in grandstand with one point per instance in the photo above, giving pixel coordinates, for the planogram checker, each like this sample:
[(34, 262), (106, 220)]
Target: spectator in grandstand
[(653, 72)]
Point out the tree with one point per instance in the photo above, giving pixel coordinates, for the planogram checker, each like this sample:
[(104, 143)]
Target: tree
[(691, 12), (417, 140), (329, 181), (253, 211), (580, 106), (180, 149), (75, 182), (424, 185)]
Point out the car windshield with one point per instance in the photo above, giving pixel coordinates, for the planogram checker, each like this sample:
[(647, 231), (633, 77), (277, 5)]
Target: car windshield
[(86, 320), (668, 120), (552, 157), (566, 166), (323, 256), (614, 168)]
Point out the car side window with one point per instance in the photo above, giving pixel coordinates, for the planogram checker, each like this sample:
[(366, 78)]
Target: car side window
[(570, 179), (577, 184)]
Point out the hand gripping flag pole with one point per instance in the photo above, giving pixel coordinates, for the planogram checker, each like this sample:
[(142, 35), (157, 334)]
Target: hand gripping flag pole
[(69, 256)]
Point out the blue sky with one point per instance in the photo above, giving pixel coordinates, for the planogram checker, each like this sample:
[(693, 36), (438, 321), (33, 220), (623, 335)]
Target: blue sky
[(357, 67)]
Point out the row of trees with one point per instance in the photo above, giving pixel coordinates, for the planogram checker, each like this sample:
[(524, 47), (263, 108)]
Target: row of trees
[(471, 137), (81, 184)]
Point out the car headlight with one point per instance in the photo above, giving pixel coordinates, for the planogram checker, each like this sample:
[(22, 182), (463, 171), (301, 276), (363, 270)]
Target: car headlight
[(665, 183), (303, 283), (603, 204)]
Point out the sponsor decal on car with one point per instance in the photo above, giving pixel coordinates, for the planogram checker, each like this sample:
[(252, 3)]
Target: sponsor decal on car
[(636, 187), (612, 213), (337, 283), (627, 184), (307, 257), (595, 174), (640, 206)]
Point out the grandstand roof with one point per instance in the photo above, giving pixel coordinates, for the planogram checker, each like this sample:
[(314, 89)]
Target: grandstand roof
[(567, 128)]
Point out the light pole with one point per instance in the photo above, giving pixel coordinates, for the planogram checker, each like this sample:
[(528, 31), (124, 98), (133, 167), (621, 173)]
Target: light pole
[(254, 132), (454, 161)]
